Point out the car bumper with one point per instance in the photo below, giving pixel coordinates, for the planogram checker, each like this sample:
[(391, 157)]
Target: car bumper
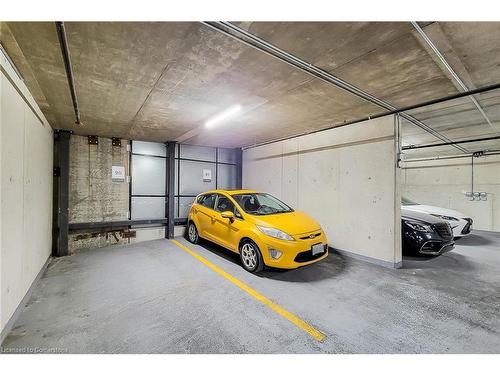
[(463, 228), (427, 244), (436, 248), (294, 254)]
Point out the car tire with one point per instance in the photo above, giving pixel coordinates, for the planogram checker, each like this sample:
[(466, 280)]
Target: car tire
[(250, 256), (192, 233)]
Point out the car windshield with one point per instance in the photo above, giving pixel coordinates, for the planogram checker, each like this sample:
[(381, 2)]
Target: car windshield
[(407, 202), (261, 204)]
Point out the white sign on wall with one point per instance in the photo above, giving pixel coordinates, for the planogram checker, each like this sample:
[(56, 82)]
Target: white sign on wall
[(117, 173), (207, 175)]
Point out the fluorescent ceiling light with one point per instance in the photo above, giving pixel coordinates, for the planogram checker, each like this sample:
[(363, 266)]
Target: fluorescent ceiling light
[(230, 112)]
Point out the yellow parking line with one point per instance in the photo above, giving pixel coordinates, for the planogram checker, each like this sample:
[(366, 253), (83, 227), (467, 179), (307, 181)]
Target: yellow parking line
[(259, 297)]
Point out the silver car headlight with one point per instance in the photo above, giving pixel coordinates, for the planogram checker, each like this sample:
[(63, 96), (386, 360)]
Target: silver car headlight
[(419, 226), (275, 233), (444, 217)]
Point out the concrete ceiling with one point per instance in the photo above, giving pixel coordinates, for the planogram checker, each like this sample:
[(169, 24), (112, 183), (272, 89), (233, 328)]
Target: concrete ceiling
[(163, 81)]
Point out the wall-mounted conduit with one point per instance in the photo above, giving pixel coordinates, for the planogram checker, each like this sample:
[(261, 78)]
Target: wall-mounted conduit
[(63, 42), (416, 147), (448, 157)]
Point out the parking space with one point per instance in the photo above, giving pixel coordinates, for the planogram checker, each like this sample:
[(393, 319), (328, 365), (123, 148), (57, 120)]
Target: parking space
[(155, 297)]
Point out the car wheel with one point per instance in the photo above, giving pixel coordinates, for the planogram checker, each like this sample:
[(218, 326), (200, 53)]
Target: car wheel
[(192, 233), (250, 256)]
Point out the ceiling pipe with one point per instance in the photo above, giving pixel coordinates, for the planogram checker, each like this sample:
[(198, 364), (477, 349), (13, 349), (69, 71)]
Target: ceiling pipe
[(459, 95), (447, 157), (63, 42), (462, 85), (254, 41), (413, 147), (407, 108)]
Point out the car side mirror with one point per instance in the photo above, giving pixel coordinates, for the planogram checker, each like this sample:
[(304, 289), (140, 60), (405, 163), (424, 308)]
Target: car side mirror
[(228, 215)]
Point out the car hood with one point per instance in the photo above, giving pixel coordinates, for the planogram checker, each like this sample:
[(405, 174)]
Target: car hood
[(435, 210), (419, 216), (293, 223)]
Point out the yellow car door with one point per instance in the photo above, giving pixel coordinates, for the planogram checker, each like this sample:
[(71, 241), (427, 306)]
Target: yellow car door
[(226, 230), (206, 215)]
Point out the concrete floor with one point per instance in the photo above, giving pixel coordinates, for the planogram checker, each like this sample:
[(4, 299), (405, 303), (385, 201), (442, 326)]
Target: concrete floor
[(153, 297)]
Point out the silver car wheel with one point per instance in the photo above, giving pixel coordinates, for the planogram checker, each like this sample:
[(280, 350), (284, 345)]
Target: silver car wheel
[(249, 256), (193, 236)]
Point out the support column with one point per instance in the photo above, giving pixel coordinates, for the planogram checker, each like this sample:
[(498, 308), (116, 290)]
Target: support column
[(61, 193), (239, 168), (170, 189)]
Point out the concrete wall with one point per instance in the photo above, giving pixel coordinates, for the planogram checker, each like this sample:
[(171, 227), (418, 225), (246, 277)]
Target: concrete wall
[(93, 196), (345, 178), (444, 183), (26, 155)]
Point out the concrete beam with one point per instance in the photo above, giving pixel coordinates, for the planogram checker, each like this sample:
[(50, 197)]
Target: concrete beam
[(434, 41), (262, 45)]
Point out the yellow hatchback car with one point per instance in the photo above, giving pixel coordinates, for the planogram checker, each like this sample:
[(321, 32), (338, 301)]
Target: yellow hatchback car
[(258, 226)]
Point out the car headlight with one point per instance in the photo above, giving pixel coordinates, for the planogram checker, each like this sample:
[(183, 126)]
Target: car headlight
[(444, 217), (419, 226), (276, 233)]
